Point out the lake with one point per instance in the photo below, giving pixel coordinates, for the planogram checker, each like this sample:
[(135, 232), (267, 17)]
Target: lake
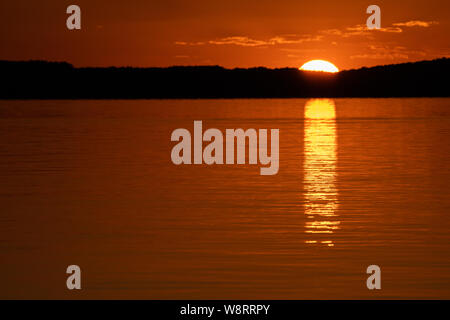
[(361, 182)]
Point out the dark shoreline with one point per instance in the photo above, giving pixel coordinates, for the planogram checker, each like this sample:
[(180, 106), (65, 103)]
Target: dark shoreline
[(24, 80)]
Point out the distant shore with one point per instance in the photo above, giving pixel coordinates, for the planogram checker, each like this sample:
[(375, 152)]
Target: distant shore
[(60, 80)]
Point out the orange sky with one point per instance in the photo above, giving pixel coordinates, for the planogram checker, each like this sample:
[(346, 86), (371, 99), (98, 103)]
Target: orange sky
[(231, 33)]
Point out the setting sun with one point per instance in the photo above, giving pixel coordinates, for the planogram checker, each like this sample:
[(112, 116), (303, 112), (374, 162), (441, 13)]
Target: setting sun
[(319, 65)]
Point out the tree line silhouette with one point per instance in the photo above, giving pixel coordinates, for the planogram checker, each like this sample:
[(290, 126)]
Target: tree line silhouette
[(60, 80)]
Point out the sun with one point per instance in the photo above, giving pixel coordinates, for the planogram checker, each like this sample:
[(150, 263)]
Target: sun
[(319, 65)]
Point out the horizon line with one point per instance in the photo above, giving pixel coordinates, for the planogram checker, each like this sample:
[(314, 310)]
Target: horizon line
[(213, 65)]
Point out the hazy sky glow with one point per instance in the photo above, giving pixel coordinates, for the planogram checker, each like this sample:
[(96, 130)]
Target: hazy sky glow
[(243, 33)]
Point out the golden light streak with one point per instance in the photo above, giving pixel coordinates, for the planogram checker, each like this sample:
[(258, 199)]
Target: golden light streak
[(320, 158)]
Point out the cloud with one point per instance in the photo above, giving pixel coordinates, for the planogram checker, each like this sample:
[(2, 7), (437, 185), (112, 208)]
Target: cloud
[(380, 56), (362, 30), (240, 41), (294, 39), (249, 42), (358, 30), (352, 31), (390, 29), (415, 23), (387, 52), (333, 32), (184, 43)]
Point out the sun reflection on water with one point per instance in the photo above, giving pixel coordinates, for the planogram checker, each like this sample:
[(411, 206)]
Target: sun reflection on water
[(320, 157)]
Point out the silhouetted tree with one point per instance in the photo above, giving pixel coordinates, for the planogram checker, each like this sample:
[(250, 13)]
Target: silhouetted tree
[(60, 80)]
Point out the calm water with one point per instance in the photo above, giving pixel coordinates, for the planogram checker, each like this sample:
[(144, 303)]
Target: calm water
[(361, 182)]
